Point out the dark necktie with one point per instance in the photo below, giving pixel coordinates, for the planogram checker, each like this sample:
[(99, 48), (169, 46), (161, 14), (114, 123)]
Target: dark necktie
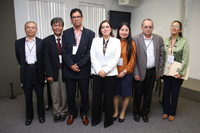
[(59, 49)]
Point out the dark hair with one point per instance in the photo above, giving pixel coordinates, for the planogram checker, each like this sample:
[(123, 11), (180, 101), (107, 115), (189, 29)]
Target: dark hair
[(129, 47), (105, 21), (56, 20), (180, 34), (147, 19), (76, 10)]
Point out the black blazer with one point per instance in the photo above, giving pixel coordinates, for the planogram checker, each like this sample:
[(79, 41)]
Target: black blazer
[(51, 57), (82, 57), (20, 55)]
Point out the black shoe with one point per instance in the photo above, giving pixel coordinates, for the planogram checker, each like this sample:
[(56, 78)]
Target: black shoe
[(145, 118), (115, 118), (62, 118), (107, 125), (121, 120), (94, 124), (137, 117), (42, 119), (56, 118), (28, 122)]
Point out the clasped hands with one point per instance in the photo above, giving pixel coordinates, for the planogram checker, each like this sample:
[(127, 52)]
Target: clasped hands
[(75, 68), (102, 73)]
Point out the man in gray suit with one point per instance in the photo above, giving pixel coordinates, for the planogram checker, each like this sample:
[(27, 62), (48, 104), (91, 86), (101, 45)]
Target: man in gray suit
[(148, 66)]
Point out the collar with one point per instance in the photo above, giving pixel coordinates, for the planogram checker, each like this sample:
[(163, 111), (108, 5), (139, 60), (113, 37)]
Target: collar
[(30, 41), (148, 39), (58, 37), (81, 28)]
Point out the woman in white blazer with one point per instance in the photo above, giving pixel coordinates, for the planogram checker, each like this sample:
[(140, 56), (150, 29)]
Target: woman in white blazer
[(105, 54)]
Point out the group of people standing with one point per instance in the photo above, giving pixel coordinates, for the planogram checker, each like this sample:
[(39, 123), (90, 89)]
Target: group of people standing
[(70, 57)]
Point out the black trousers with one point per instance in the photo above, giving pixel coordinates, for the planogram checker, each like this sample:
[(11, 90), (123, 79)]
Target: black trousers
[(71, 95), (103, 88), (32, 81), (171, 89), (144, 88)]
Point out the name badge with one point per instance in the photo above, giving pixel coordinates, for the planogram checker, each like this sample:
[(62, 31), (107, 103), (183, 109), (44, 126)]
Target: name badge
[(60, 58), (120, 62), (75, 48), (170, 59), (31, 60)]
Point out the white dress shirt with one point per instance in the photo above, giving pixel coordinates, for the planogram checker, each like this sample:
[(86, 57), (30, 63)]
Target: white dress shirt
[(30, 51), (150, 52)]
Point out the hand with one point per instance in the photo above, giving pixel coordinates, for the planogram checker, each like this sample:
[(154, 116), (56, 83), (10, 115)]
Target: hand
[(50, 79), (137, 78), (177, 76), (102, 73), (75, 68), (121, 75), (158, 77)]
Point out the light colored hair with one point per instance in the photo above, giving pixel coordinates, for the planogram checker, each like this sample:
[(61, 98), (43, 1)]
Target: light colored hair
[(30, 22)]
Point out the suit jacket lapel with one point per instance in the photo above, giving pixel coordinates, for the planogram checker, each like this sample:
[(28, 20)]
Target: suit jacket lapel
[(154, 44), (37, 47), (143, 42), (54, 45), (23, 48)]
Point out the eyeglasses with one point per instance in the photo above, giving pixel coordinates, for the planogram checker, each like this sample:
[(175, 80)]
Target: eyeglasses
[(103, 27), (146, 27), (174, 26), (76, 17)]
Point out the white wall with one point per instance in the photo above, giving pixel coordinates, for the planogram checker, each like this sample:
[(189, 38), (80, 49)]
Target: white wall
[(191, 32), (162, 12)]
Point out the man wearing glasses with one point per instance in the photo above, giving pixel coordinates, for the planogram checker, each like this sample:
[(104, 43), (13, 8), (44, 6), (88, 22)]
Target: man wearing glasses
[(76, 55), (148, 67)]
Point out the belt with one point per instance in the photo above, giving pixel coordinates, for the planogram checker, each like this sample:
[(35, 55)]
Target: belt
[(31, 64), (150, 68)]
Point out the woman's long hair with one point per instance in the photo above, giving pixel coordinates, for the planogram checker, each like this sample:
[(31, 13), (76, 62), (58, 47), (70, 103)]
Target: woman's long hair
[(129, 47)]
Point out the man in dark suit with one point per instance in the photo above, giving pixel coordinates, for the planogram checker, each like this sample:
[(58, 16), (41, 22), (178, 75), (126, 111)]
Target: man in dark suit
[(29, 54), (148, 66), (76, 55), (53, 67)]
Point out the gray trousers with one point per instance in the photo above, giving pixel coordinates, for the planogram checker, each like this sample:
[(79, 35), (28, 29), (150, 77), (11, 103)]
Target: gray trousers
[(59, 96)]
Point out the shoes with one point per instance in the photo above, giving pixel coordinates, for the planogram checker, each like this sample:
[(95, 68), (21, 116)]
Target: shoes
[(137, 117), (42, 119), (94, 124), (28, 122), (85, 120), (62, 118), (107, 125), (120, 120), (70, 120), (145, 118), (171, 118), (115, 118), (164, 116), (56, 118)]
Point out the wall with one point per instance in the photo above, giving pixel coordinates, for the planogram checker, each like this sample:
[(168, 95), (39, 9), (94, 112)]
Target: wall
[(9, 68)]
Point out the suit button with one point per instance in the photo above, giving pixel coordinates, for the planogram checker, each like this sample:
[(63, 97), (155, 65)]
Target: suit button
[(69, 54), (85, 47), (82, 55), (68, 45)]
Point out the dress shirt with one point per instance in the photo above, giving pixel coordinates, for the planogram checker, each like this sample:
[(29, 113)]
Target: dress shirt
[(78, 36), (30, 49), (150, 52), (57, 40)]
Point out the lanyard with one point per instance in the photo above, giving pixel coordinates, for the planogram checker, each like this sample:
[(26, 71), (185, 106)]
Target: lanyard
[(31, 48), (148, 44)]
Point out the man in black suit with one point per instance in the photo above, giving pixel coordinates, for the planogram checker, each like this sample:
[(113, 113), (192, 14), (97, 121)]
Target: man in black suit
[(53, 67), (76, 55), (29, 54)]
